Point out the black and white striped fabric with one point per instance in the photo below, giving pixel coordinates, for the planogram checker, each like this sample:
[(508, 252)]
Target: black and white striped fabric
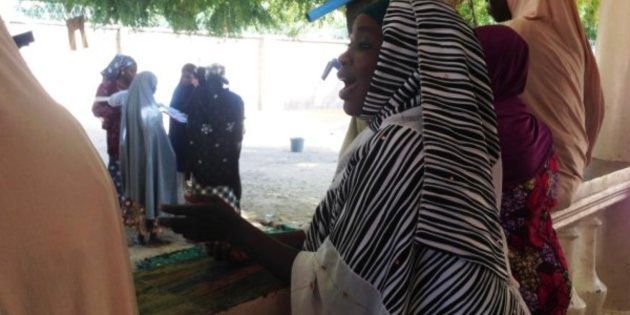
[(415, 214)]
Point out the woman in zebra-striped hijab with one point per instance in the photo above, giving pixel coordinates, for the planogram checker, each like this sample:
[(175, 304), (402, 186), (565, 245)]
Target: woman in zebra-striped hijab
[(410, 225), (414, 214)]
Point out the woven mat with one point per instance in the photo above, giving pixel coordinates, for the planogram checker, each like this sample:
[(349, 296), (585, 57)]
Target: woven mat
[(201, 286), (189, 282)]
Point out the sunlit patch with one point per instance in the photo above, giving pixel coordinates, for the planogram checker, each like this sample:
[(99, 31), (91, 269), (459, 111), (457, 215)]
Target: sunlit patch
[(307, 165)]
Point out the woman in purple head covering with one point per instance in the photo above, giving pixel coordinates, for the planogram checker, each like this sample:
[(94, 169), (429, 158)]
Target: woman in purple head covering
[(117, 76), (530, 173)]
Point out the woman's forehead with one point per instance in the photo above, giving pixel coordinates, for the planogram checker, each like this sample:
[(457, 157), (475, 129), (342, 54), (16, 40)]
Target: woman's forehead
[(365, 23)]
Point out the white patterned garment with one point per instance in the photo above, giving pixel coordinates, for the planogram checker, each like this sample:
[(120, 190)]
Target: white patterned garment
[(414, 215), (225, 193)]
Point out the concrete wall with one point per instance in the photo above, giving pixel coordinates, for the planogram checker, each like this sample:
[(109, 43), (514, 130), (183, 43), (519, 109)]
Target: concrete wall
[(270, 74)]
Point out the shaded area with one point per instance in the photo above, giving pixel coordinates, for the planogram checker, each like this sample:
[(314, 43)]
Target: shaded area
[(599, 168), (201, 286)]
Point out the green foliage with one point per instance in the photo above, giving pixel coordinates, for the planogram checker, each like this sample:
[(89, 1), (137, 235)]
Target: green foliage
[(589, 14), (233, 17), (216, 17), (475, 12), (588, 10)]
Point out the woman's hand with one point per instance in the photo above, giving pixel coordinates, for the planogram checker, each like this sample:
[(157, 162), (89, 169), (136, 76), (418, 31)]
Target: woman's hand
[(224, 251), (213, 220)]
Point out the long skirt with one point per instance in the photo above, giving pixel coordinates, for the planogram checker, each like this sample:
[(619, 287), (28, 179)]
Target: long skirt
[(536, 258), (114, 171), (197, 194)]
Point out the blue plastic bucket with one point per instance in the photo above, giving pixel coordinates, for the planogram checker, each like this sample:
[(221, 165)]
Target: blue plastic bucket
[(297, 144)]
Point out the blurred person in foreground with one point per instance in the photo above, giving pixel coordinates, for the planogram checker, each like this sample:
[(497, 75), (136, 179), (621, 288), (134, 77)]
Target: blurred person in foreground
[(63, 250)]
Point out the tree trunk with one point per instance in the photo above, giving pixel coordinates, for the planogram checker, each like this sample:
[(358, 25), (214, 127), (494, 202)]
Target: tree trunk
[(118, 41), (74, 24)]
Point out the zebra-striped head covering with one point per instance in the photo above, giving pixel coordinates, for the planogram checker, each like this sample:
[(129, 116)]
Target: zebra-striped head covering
[(431, 59)]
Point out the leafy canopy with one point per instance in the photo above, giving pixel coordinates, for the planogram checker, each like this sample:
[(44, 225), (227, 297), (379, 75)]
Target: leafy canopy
[(233, 17), (476, 10), (216, 17)]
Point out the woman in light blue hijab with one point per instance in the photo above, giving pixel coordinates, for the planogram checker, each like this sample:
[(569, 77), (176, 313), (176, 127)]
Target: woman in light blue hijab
[(146, 157)]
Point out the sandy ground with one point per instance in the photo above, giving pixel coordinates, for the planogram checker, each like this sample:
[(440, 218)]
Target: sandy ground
[(282, 186)]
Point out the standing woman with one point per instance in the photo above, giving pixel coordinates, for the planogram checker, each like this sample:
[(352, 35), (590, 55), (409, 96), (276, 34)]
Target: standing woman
[(199, 76), (116, 77), (146, 156), (530, 176), (215, 133), (563, 87), (177, 130), (179, 101)]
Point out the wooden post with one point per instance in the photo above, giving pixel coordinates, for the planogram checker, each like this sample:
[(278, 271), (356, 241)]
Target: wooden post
[(74, 24), (70, 24), (82, 30), (118, 41), (261, 71)]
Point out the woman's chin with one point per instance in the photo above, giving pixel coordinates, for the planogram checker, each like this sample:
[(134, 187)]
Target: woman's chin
[(352, 108)]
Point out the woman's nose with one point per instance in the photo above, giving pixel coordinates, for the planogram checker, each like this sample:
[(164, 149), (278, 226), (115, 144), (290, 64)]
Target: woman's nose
[(344, 58)]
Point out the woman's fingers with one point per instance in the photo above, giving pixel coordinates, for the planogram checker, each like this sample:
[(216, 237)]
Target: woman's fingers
[(210, 207), (187, 210), (203, 235), (215, 250), (178, 225), (202, 222), (225, 250), (194, 229), (238, 255), (218, 250)]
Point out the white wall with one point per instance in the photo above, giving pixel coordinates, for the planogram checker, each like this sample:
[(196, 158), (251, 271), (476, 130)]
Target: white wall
[(290, 76)]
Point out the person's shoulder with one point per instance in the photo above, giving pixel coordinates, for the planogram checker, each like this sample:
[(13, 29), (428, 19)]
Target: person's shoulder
[(199, 94), (107, 82), (390, 147), (118, 99), (153, 117), (399, 129), (107, 85), (233, 96), (395, 136)]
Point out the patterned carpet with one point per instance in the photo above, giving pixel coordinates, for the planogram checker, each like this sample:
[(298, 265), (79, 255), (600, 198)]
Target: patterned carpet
[(201, 286), (189, 282)]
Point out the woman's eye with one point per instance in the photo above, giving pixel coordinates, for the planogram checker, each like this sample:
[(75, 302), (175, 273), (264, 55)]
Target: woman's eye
[(365, 45)]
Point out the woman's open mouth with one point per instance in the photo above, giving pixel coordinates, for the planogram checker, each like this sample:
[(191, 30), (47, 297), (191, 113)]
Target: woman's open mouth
[(349, 85)]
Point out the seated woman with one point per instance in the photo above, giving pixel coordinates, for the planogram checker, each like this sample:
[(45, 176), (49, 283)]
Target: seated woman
[(411, 225), (147, 159), (530, 175)]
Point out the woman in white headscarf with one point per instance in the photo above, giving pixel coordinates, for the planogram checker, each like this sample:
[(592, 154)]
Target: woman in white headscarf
[(146, 157)]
